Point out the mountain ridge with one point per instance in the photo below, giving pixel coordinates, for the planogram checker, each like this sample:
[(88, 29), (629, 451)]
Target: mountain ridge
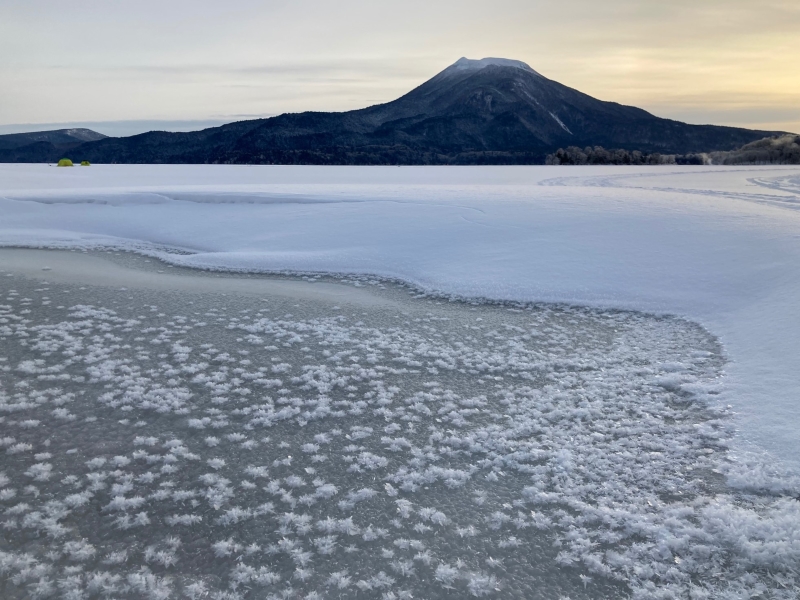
[(491, 110), (56, 137)]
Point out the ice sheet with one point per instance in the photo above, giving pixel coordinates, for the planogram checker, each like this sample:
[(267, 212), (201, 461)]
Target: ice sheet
[(720, 246)]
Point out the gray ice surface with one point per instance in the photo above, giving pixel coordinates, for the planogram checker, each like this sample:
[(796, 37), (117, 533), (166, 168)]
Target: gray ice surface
[(172, 433)]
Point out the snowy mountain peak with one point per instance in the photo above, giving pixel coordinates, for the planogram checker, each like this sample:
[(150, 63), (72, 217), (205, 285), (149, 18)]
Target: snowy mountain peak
[(83, 134), (466, 64)]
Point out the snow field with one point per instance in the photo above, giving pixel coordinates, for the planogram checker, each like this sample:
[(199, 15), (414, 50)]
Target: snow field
[(716, 245), (160, 445)]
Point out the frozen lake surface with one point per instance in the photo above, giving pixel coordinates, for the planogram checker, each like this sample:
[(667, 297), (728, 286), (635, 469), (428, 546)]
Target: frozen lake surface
[(188, 434), (181, 433)]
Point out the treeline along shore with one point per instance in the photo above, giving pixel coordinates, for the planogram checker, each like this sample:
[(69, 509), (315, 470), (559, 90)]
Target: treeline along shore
[(779, 150)]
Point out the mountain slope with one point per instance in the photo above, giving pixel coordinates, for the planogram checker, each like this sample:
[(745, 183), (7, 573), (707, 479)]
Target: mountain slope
[(56, 137), (475, 111)]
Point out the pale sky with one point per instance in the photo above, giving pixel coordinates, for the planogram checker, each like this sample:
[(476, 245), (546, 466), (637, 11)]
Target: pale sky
[(727, 62)]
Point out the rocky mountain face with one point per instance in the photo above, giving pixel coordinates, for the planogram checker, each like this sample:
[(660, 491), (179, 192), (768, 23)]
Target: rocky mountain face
[(489, 111)]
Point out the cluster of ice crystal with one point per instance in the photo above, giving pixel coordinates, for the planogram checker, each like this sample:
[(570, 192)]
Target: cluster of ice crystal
[(158, 447)]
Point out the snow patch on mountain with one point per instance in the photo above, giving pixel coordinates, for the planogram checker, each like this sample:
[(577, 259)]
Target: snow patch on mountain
[(560, 122), (466, 64)]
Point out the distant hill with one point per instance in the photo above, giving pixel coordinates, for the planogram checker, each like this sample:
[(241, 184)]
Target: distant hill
[(489, 111), (58, 138)]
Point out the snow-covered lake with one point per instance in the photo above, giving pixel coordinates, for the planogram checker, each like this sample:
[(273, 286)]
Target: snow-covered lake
[(720, 246), (469, 430)]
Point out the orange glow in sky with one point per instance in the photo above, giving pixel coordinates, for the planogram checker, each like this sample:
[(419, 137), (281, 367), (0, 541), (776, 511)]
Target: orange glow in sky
[(733, 62)]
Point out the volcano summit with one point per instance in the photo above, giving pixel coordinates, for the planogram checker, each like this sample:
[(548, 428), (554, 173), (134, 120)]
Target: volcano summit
[(488, 111)]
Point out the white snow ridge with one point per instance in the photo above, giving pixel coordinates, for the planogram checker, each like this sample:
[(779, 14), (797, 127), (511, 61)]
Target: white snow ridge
[(402, 443), (464, 64)]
